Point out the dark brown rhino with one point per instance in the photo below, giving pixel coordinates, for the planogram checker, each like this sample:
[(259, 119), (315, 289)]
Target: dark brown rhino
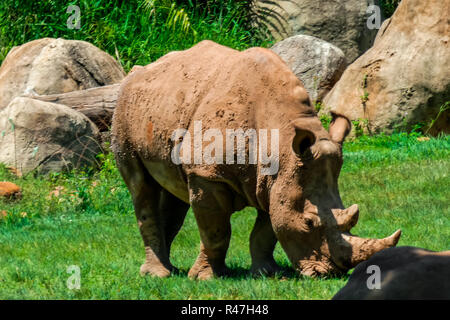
[(208, 92), (405, 273)]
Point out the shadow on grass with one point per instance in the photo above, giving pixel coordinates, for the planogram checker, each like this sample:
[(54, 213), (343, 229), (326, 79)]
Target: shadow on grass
[(286, 273)]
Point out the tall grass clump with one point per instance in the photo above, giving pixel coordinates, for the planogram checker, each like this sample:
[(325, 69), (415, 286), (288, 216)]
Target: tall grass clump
[(133, 31), (389, 6)]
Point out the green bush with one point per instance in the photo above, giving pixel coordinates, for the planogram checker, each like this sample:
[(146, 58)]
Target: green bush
[(133, 31), (389, 6)]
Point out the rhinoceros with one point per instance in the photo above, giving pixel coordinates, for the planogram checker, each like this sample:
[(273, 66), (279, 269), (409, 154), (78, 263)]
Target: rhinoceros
[(398, 274), (212, 90)]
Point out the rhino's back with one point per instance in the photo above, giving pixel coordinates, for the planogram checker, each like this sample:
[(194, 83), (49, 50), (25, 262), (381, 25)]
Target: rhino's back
[(209, 82), (160, 98), (221, 87)]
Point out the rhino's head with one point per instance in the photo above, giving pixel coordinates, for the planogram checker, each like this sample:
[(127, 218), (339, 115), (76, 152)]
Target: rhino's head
[(306, 210)]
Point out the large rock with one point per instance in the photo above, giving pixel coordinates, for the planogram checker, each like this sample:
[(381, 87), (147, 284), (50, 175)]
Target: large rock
[(405, 78), (342, 23), (46, 136), (50, 66), (317, 63)]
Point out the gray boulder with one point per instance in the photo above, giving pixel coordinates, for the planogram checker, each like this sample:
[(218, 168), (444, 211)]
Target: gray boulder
[(317, 63), (342, 23), (50, 66), (46, 136), (404, 79)]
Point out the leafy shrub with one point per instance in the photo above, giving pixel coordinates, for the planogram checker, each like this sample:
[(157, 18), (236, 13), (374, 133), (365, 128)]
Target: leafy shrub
[(133, 31), (389, 6)]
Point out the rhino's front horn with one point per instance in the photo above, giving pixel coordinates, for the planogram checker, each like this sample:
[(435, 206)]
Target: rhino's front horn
[(363, 249), (346, 219)]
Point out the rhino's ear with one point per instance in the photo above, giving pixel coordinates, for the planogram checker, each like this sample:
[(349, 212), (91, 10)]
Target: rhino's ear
[(339, 128), (303, 141)]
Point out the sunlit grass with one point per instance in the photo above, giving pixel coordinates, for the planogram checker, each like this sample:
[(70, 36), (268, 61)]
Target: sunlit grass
[(398, 182)]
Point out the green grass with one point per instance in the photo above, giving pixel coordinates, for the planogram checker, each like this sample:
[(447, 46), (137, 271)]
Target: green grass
[(398, 182)]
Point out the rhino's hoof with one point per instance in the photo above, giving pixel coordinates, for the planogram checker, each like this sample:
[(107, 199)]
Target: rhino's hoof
[(206, 272), (154, 270)]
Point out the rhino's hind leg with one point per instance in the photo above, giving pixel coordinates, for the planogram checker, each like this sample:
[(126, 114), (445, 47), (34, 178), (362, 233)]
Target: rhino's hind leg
[(173, 212), (151, 214), (212, 206), (262, 244)]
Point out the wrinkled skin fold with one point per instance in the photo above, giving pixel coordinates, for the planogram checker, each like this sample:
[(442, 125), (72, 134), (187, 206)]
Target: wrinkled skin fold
[(299, 205)]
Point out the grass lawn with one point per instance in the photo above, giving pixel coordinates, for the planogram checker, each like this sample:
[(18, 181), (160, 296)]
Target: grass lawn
[(398, 182)]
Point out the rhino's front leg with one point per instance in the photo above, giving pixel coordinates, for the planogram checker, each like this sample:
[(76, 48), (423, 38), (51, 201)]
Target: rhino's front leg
[(212, 206), (262, 244)]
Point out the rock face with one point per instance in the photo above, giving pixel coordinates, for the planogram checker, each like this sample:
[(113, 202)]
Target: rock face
[(10, 190), (404, 79), (403, 273), (49, 66), (342, 23), (317, 63), (46, 136)]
